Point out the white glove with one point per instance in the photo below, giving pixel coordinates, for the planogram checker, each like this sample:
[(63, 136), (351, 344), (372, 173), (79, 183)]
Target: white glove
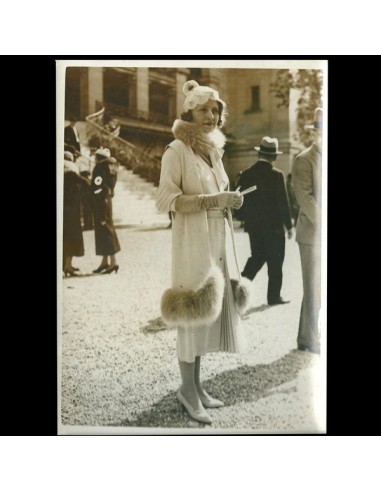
[(232, 199), (188, 204)]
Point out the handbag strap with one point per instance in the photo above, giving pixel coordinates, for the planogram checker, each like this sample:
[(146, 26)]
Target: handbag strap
[(230, 222)]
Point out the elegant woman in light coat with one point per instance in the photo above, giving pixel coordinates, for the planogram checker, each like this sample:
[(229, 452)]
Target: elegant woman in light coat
[(202, 302)]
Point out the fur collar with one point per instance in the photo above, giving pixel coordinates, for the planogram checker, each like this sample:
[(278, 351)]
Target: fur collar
[(201, 142), (70, 166)]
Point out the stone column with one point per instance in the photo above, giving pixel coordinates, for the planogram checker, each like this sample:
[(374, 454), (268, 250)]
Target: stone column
[(211, 77), (91, 87), (132, 98), (181, 78), (142, 92), (172, 104)]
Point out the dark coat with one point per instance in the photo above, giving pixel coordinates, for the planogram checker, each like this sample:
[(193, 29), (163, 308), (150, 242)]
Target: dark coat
[(71, 142), (266, 208), (74, 188), (102, 190)]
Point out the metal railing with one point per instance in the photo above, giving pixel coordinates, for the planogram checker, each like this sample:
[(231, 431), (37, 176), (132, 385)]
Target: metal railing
[(149, 116), (127, 154)]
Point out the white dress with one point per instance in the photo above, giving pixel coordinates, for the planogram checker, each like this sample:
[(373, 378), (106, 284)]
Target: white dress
[(225, 333)]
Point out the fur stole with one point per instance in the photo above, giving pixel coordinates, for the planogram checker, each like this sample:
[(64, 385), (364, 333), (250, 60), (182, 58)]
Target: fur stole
[(70, 166), (193, 308), (201, 142)]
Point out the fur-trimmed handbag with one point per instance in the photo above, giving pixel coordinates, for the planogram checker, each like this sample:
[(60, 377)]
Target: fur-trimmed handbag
[(191, 308), (201, 306), (242, 286), (242, 293)]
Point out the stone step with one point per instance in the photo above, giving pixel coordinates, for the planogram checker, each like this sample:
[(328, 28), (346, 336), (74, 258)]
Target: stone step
[(134, 203)]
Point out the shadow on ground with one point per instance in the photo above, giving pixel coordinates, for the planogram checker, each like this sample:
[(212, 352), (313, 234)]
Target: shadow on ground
[(154, 325), (242, 385), (157, 324), (257, 309), (80, 275)]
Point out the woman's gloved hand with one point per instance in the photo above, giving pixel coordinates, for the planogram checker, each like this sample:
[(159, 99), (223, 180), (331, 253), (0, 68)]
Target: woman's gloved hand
[(188, 204), (232, 199)]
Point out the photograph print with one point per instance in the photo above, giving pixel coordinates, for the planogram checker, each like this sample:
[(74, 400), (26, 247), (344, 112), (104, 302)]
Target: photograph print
[(191, 240)]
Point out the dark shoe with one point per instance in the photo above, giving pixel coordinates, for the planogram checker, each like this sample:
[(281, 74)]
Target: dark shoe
[(278, 301), (111, 269), (101, 268), (243, 275), (304, 348), (70, 272), (75, 269)]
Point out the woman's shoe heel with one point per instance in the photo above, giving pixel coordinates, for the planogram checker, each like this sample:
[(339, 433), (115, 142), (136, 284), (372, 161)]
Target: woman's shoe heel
[(111, 269), (198, 415), (101, 268)]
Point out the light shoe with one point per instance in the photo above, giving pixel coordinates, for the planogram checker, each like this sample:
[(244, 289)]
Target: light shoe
[(199, 415), (210, 402)]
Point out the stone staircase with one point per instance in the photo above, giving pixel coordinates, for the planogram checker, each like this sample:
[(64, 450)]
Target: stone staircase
[(134, 203)]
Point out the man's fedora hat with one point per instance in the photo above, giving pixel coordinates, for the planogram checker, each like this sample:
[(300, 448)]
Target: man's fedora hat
[(318, 120), (269, 146)]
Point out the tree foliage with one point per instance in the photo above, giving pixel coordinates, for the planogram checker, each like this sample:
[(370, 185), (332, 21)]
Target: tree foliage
[(310, 86)]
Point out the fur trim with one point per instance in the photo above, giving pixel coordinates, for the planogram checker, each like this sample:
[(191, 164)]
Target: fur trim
[(242, 293), (197, 307), (201, 142), (70, 167)]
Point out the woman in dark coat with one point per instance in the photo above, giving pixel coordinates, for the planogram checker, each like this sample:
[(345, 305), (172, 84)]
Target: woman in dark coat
[(102, 188), (74, 188)]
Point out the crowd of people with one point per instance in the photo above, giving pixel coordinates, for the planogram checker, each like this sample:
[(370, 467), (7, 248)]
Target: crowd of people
[(87, 205), (205, 302)]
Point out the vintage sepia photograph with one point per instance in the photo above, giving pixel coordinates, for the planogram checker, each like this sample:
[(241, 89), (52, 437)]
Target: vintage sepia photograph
[(192, 246)]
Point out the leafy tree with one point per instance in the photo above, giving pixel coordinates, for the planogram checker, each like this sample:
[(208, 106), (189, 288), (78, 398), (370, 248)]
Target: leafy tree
[(310, 85)]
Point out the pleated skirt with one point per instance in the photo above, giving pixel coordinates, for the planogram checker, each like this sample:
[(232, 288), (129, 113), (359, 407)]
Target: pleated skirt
[(225, 334)]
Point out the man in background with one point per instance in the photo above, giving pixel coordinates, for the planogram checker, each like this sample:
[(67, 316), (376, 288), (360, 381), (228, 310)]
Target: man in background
[(266, 215), (307, 176)]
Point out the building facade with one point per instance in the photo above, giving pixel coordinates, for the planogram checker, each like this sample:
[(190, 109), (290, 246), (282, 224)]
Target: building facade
[(146, 101)]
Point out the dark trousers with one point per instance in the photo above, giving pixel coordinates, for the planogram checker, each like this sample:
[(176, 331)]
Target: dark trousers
[(267, 247)]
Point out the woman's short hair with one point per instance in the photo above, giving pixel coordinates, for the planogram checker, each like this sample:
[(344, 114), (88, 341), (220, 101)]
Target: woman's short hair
[(222, 113)]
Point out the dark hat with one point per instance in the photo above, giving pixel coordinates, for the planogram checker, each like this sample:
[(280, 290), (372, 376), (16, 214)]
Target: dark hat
[(103, 152), (102, 155), (318, 120), (269, 146)]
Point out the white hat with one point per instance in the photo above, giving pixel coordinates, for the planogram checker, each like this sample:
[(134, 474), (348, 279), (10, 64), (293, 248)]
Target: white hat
[(68, 156), (196, 94), (318, 120), (103, 152), (269, 146)]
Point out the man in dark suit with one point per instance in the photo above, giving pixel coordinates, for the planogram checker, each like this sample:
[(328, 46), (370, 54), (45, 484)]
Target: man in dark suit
[(307, 179), (71, 138), (266, 214)]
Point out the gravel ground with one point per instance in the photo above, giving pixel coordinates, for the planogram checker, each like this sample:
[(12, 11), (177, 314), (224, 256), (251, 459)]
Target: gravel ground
[(118, 367)]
